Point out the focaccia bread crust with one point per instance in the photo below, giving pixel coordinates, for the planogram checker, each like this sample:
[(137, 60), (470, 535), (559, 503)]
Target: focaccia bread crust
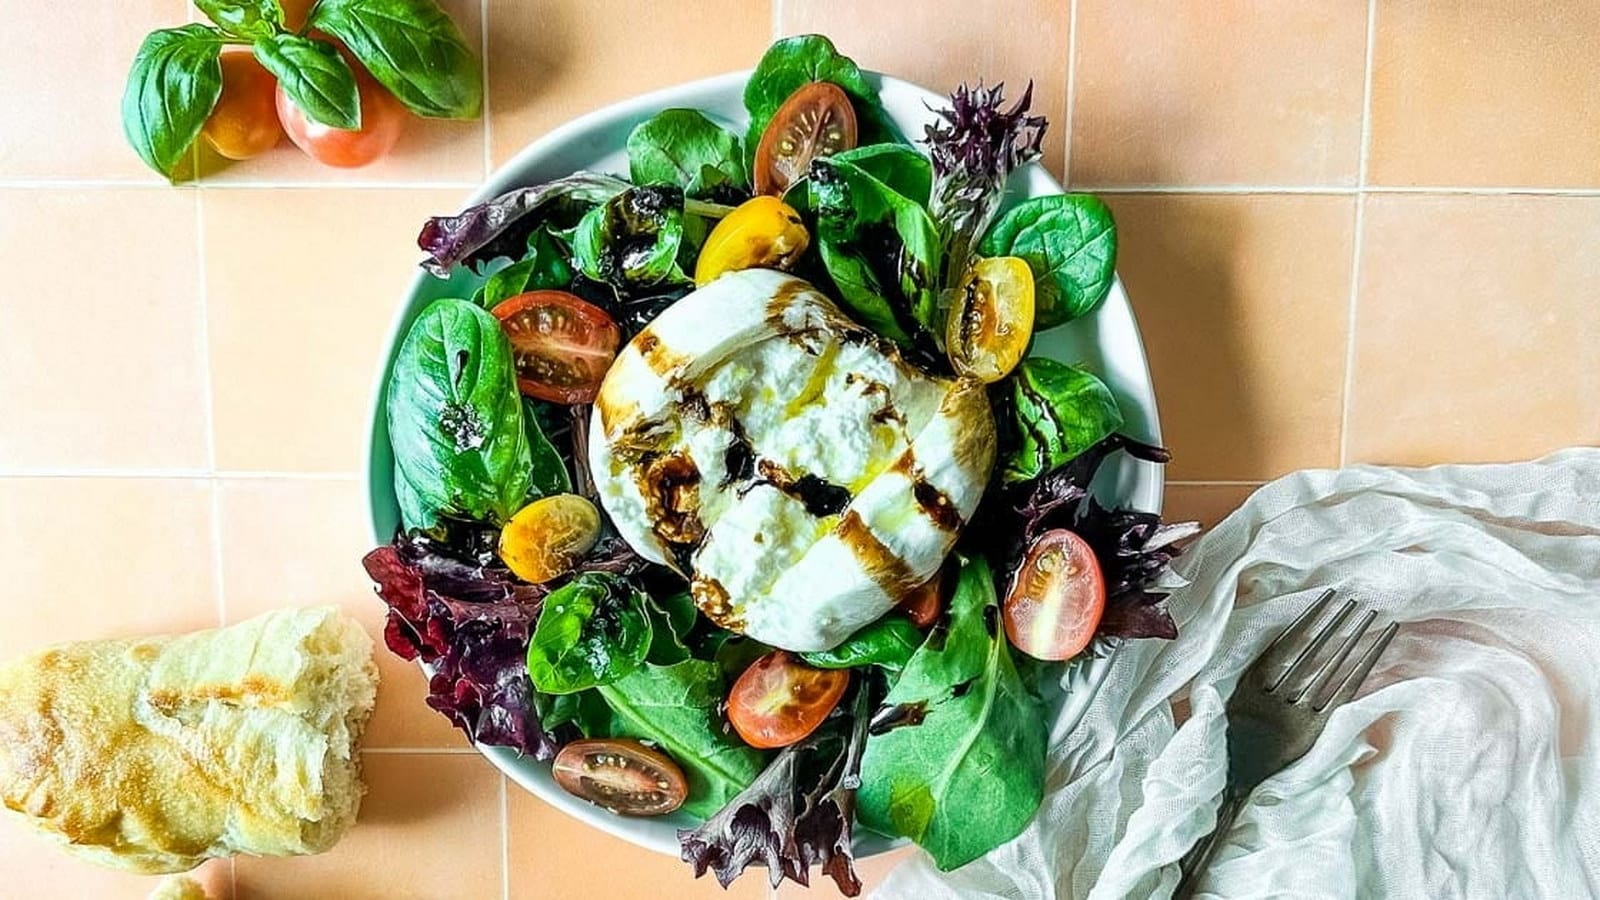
[(155, 754)]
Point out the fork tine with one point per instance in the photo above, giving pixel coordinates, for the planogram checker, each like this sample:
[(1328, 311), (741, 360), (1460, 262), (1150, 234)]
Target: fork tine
[(1302, 660), (1352, 682), (1324, 674), (1306, 617)]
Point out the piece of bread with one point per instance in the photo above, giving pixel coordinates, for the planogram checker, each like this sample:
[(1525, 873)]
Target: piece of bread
[(178, 887), (155, 754)]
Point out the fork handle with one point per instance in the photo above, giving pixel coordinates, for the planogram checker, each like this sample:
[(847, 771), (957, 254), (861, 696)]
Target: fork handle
[(1194, 862)]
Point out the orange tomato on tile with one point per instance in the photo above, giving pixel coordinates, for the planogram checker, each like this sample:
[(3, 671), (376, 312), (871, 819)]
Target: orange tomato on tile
[(383, 120), (244, 123)]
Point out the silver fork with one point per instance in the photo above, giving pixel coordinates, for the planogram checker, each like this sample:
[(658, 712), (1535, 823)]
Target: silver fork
[(1277, 712)]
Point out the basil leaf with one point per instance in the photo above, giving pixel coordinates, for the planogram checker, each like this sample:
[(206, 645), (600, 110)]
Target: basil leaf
[(677, 708), (901, 168), (671, 619), (547, 471), (413, 49), (632, 241), (173, 86), (592, 630), (880, 247), (245, 18), (1058, 411), (1069, 242), (969, 774), (794, 62), (544, 268), (887, 643), (315, 77), (682, 147), (455, 419), (586, 710)]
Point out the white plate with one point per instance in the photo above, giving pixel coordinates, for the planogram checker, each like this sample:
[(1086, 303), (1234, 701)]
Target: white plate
[(1107, 342)]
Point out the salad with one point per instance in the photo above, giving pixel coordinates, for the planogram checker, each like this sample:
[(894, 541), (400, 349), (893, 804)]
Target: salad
[(731, 488)]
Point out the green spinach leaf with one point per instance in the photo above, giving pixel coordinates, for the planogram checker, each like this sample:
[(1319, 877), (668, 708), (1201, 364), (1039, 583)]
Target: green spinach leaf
[(1069, 242), (969, 775), (173, 86), (592, 630), (887, 643), (682, 147), (545, 267), (677, 707), (671, 619), (547, 472), (900, 167), (1058, 411), (879, 246), (413, 49), (314, 76), (632, 241), (794, 62), (455, 419), (245, 18)]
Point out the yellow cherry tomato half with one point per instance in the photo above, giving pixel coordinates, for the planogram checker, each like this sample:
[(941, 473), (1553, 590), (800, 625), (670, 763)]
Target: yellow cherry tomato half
[(991, 321), (547, 538), (761, 233)]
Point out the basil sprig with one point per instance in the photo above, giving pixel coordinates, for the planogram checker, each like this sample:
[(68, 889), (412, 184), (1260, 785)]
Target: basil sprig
[(411, 47)]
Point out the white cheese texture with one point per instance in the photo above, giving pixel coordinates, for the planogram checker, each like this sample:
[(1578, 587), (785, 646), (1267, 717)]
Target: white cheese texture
[(852, 471)]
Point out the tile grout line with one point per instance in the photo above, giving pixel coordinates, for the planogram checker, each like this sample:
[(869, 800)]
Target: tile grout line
[(1217, 483), (180, 474), (505, 840), (488, 143), (777, 19), (1357, 240), (134, 184), (1331, 190), (1072, 93)]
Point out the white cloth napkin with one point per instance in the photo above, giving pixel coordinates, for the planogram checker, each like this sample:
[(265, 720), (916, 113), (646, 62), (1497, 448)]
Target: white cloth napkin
[(1468, 768)]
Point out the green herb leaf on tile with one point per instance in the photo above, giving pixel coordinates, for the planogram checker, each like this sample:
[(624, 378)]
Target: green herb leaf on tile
[(173, 86), (245, 18), (315, 77), (412, 48)]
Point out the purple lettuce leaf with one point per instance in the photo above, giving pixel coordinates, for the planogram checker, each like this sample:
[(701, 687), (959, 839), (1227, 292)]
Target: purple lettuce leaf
[(471, 624), (500, 227), (799, 813)]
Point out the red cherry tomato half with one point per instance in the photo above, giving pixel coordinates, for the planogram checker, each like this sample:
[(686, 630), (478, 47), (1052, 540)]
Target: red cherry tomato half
[(779, 699), (623, 776), (1056, 601), (562, 345), (383, 119), (816, 120), (925, 603)]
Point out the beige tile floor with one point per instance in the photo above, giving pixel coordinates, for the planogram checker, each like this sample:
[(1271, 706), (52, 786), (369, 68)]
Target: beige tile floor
[(1353, 231)]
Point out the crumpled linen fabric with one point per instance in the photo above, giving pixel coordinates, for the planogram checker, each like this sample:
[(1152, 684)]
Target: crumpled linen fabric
[(1469, 765)]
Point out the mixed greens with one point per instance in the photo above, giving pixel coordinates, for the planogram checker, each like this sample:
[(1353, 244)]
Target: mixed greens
[(549, 634)]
